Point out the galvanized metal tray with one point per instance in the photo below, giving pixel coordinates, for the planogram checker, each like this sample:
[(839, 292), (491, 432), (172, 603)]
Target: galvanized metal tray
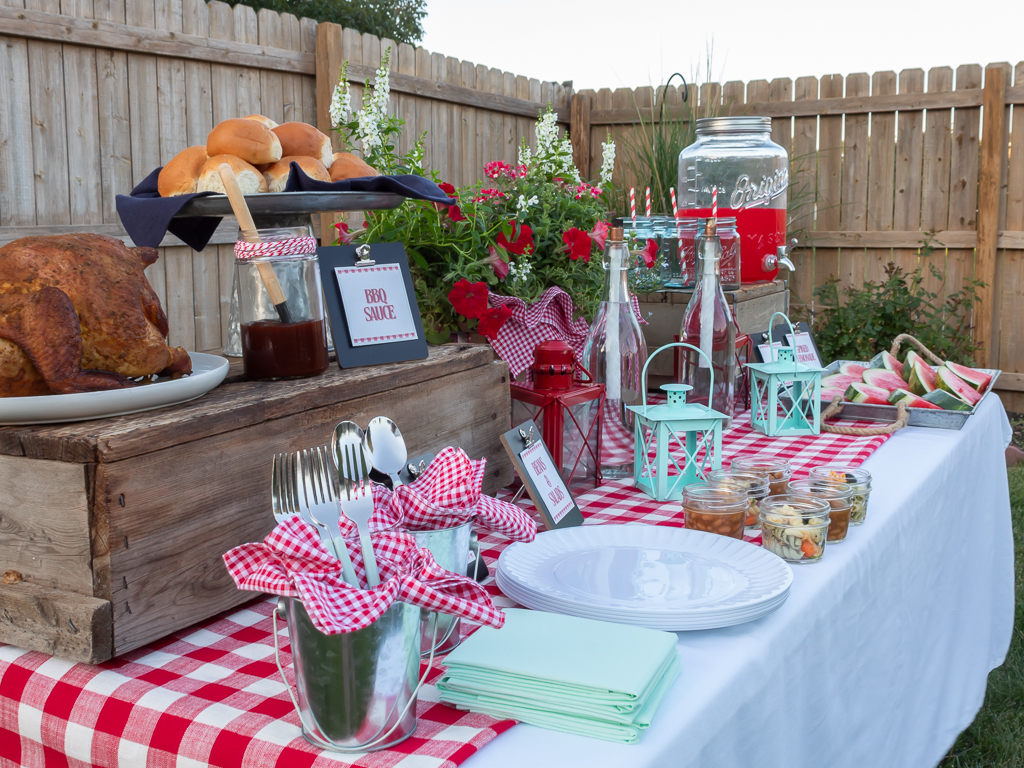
[(291, 203), (919, 417)]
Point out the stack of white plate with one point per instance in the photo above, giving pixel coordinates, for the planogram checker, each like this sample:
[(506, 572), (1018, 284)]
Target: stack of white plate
[(648, 575)]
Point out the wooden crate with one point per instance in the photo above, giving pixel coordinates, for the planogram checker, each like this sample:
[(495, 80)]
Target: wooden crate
[(118, 525)]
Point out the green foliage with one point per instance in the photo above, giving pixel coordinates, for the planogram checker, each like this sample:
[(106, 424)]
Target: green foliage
[(865, 320), (398, 20)]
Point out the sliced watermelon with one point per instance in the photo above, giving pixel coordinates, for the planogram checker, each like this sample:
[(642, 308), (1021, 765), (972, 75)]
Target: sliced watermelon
[(912, 400), (949, 381), (853, 369), (977, 379), (947, 401), (840, 381), (884, 360), (878, 361), (864, 393), (887, 380), (828, 394), (922, 378), (913, 357)]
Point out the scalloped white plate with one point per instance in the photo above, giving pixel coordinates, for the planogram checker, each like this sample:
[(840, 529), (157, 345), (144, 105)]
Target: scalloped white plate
[(657, 576), (207, 372)]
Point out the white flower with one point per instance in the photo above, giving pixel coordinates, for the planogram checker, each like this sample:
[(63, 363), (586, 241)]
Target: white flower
[(607, 161), (368, 125), (524, 154), (382, 84), (341, 100), (547, 133), (520, 273)]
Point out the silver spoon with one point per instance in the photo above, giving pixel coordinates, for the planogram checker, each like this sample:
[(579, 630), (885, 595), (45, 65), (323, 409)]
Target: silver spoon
[(385, 448)]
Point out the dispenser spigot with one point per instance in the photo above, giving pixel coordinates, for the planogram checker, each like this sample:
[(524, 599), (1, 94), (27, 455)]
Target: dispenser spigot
[(780, 258)]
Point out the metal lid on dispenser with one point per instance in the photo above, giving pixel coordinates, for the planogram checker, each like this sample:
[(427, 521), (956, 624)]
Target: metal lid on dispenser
[(711, 125)]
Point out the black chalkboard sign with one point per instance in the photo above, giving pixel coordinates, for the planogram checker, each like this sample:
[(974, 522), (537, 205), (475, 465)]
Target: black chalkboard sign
[(541, 477)]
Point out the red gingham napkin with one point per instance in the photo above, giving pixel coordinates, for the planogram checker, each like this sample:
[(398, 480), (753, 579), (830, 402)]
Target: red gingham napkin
[(548, 318), (293, 562), (448, 494)]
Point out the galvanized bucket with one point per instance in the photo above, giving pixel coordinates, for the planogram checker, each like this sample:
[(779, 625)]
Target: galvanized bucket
[(450, 548), (356, 691)]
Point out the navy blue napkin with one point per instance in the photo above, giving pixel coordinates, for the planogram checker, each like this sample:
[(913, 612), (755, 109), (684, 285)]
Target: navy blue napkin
[(147, 217)]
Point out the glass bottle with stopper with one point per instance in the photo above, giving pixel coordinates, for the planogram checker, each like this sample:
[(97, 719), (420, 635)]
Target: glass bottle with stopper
[(708, 325), (615, 352)]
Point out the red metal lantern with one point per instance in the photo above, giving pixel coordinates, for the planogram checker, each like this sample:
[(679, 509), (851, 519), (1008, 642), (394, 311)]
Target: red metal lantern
[(567, 410)]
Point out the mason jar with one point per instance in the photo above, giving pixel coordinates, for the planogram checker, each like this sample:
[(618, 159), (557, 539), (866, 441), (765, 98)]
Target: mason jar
[(751, 173), (280, 304)]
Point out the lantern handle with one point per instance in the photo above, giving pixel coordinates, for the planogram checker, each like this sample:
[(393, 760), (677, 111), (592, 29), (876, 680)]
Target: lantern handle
[(711, 370), (771, 327)]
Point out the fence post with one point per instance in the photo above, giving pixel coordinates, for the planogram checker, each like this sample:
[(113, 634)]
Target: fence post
[(329, 56), (579, 132), (993, 152)]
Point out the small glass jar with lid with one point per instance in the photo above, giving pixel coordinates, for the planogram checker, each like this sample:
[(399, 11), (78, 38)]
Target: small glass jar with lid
[(777, 470), (715, 508), (795, 527), (736, 156), (839, 497), (858, 479), (754, 484), (280, 304)]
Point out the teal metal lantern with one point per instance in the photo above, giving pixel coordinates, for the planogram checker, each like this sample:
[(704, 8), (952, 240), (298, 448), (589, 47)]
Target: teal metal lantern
[(694, 429), (785, 396)]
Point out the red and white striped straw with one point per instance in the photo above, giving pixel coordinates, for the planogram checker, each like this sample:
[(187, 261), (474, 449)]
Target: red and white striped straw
[(714, 202), (647, 205), (675, 208), (632, 204)]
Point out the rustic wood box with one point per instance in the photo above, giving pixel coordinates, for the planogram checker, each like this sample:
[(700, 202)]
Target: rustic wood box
[(117, 526)]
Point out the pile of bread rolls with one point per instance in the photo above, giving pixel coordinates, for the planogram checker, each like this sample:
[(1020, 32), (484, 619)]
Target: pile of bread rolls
[(260, 152)]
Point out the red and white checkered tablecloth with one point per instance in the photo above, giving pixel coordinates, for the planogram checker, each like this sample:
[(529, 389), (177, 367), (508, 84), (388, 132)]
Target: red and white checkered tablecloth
[(211, 695)]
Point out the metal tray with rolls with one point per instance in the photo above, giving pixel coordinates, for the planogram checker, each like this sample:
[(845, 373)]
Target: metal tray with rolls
[(919, 417)]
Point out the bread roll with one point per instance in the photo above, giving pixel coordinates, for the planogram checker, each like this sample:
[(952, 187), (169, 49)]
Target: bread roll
[(179, 176), (250, 180), (246, 139), (266, 122), (345, 165), (304, 139), (277, 174)]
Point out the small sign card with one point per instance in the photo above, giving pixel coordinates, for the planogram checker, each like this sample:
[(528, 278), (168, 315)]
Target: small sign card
[(805, 351), (376, 304), (371, 304), (541, 477)]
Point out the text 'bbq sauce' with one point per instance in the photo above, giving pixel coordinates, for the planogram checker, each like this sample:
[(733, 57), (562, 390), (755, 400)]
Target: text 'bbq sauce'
[(274, 350)]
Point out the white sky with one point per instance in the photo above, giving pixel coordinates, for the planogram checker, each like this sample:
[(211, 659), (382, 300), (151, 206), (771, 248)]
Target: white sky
[(600, 43)]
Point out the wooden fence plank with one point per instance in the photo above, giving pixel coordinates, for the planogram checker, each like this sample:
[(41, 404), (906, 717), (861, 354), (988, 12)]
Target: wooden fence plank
[(49, 136), (472, 165), (83, 132), (992, 158), (1011, 351), (17, 196), (271, 35), (829, 200), (424, 109), (805, 157), (307, 85), (909, 150), (881, 177), (854, 183), (935, 171), (292, 82), (250, 96), (510, 125), (780, 90), (580, 133), (405, 106)]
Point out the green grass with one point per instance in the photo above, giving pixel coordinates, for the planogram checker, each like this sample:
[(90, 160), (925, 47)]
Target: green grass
[(996, 737)]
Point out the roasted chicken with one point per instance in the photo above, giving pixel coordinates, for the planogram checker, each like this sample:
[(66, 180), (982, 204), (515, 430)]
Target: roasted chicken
[(77, 314)]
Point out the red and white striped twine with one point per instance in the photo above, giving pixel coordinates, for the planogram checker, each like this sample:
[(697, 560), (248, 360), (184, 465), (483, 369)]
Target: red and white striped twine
[(714, 202), (647, 205), (295, 247), (675, 208), (632, 204)]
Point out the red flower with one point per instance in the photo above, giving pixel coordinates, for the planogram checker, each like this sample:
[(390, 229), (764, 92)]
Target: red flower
[(497, 169), (455, 213), (469, 299), (448, 189), (650, 252), (492, 321), (344, 235), (524, 239), (599, 234), (578, 243), (497, 262)]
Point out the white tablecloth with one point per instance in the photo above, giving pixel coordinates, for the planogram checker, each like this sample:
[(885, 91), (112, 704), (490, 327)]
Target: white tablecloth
[(880, 655)]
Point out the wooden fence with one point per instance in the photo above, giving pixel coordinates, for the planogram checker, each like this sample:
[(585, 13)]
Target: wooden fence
[(95, 94), (881, 159)]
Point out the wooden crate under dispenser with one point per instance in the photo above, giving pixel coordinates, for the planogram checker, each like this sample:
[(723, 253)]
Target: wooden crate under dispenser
[(117, 526)]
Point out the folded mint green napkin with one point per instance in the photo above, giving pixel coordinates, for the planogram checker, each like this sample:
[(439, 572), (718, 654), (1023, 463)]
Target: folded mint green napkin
[(578, 675)]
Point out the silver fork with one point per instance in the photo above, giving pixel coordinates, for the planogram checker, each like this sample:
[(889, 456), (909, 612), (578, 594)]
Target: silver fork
[(292, 478), (323, 507), (280, 495), (357, 503)]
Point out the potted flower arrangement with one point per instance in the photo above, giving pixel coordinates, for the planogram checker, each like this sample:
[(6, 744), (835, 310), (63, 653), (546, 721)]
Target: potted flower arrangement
[(525, 229)]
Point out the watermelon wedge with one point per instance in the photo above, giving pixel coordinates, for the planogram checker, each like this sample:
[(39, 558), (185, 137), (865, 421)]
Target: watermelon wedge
[(885, 379), (913, 357), (922, 378), (977, 379), (946, 401), (884, 360), (853, 369), (949, 381), (828, 394), (839, 381), (865, 393), (912, 400)]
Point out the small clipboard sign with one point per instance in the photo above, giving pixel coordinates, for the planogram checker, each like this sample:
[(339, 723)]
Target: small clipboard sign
[(539, 473), (371, 304)]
